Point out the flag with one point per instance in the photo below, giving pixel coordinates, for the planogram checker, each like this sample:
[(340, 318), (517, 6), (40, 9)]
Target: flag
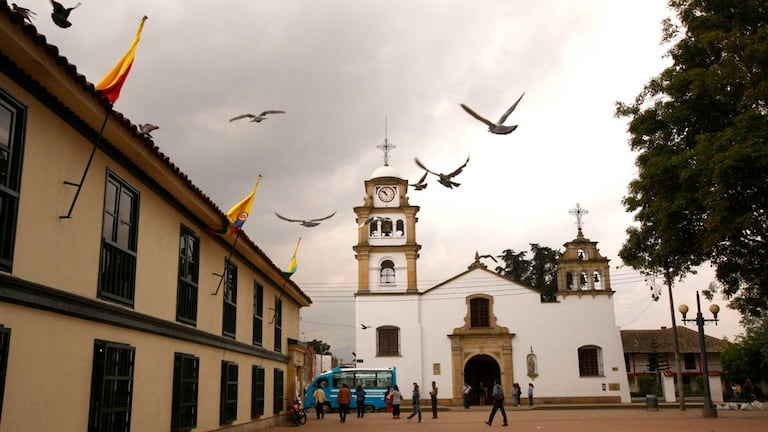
[(293, 264), (111, 84), (238, 214)]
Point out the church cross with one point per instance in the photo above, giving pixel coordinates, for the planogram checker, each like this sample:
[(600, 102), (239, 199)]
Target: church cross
[(579, 212), (386, 146)]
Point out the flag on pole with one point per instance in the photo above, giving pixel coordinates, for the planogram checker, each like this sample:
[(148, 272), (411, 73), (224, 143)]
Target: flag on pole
[(111, 84), (238, 214), (293, 264)]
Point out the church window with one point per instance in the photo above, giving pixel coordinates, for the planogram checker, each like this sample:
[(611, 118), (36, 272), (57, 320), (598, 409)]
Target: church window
[(590, 361), (386, 227), (583, 281), (387, 341), (373, 229), (479, 311), (569, 280), (400, 228), (597, 279), (583, 254), (387, 272)]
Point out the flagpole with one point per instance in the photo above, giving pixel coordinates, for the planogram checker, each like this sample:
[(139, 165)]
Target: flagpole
[(237, 236), (87, 166)]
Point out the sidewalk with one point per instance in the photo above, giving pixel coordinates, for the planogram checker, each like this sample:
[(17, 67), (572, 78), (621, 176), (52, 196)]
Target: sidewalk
[(545, 420)]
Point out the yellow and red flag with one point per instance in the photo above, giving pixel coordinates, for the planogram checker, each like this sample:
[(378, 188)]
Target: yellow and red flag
[(112, 83), (238, 214)]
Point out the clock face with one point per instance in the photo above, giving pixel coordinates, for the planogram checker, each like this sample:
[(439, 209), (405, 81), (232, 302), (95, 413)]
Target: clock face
[(386, 193)]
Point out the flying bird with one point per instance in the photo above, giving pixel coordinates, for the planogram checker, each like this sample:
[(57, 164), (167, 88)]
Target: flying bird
[(309, 223), (60, 14), (147, 128), (478, 256), (373, 219), (444, 179), (364, 326), (24, 12), (421, 184), (498, 127), (257, 118)]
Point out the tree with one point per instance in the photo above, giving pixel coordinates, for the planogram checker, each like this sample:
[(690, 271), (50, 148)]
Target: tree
[(320, 347), (540, 272), (747, 356), (701, 132)]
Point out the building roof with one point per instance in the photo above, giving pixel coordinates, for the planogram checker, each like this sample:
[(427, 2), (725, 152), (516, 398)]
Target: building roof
[(385, 171), (140, 143), (641, 341)]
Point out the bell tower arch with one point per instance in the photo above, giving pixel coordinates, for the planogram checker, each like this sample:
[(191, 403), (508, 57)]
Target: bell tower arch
[(581, 268)]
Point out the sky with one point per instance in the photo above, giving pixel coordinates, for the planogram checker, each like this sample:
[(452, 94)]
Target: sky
[(352, 73)]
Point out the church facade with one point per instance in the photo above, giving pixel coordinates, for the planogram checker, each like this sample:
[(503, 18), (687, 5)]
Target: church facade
[(478, 327)]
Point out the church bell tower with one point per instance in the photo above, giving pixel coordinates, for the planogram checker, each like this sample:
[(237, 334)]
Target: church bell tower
[(386, 249), (581, 269)]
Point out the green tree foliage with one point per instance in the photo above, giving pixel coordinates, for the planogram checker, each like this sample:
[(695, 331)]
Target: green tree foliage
[(747, 356), (701, 132), (540, 272), (320, 347)]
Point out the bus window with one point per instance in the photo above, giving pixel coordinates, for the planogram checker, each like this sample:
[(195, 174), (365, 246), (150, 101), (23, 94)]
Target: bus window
[(384, 379), (343, 377), (365, 379), (322, 383)]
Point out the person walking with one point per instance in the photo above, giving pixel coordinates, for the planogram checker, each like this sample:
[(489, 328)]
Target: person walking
[(530, 395), (416, 402), (319, 395), (360, 401), (397, 399), (344, 399), (498, 403), (483, 393), (433, 397), (466, 390)]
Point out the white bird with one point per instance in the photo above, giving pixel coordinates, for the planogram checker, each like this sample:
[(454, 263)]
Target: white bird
[(24, 12), (257, 118), (309, 223), (147, 128), (498, 127)]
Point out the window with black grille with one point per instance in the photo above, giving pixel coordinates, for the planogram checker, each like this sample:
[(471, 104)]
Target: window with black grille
[(387, 272), (228, 404), (229, 321), (186, 374), (590, 361), (278, 392), (189, 271), (5, 340), (387, 341), (111, 387), (479, 310), (258, 313), (689, 360), (278, 324), (13, 118), (258, 378), (117, 276)]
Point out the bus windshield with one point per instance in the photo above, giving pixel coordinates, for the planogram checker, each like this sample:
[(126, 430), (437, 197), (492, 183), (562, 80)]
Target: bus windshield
[(375, 382)]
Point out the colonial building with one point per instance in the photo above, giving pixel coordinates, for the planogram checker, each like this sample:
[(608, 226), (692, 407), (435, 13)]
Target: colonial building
[(479, 326), (111, 317), (652, 352)]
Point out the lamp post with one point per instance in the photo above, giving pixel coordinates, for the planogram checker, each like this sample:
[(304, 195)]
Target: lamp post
[(709, 410)]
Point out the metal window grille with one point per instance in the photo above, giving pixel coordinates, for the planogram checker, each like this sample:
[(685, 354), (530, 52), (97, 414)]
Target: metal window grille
[(278, 394), (278, 324), (186, 374), (189, 270), (5, 340), (13, 123), (258, 314), (258, 378), (589, 364), (228, 412), (229, 320), (111, 387), (388, 341), (117, 276)]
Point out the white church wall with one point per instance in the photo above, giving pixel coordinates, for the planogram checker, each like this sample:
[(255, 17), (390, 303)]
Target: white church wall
[(401, 311)]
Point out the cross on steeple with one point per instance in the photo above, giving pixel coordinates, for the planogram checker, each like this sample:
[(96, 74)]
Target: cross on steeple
[(579, 212), (386, 146)]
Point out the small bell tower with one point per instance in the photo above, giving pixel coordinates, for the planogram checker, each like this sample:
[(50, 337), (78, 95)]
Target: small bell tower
[(581, 269)]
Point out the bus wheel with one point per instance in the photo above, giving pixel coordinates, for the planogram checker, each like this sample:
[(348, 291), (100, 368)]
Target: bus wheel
[(370, 408)]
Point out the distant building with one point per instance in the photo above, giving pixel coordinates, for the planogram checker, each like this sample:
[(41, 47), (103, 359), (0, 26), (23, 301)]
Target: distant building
[(641, 346), (111, 318), (478, 326)]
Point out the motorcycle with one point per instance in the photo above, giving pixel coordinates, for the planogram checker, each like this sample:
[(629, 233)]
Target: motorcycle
[(297, 414)]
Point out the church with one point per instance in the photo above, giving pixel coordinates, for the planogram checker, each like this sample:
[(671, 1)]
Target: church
[(478, 327)]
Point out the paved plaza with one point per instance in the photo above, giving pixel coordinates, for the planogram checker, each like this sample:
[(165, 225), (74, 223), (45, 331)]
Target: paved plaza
[(545, 420)]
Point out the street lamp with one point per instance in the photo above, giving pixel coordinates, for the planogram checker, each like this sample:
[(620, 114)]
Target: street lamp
[(709, 410)]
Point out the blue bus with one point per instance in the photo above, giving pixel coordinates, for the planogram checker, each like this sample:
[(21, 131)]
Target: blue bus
[(375, 382)]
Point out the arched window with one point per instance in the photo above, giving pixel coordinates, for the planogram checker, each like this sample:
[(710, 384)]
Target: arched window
[(400, 228), (387, 341), (583, 281), (590, 361), (569, 280), (597, 279), (583, 255), (479, 312), (387, 272), (386, 228)]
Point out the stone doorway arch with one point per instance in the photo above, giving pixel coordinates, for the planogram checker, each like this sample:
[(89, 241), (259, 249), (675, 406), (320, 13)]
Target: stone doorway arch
[(483, 369)]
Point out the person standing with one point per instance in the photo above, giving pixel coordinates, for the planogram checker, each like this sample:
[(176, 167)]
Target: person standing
[(483, 393), (416, 402), (397, 399), (466, 390), (360, 401), (530, 395), (516, 392), (433, 397), (388, 398), (319, 395), (498, 403), (344, 399)]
